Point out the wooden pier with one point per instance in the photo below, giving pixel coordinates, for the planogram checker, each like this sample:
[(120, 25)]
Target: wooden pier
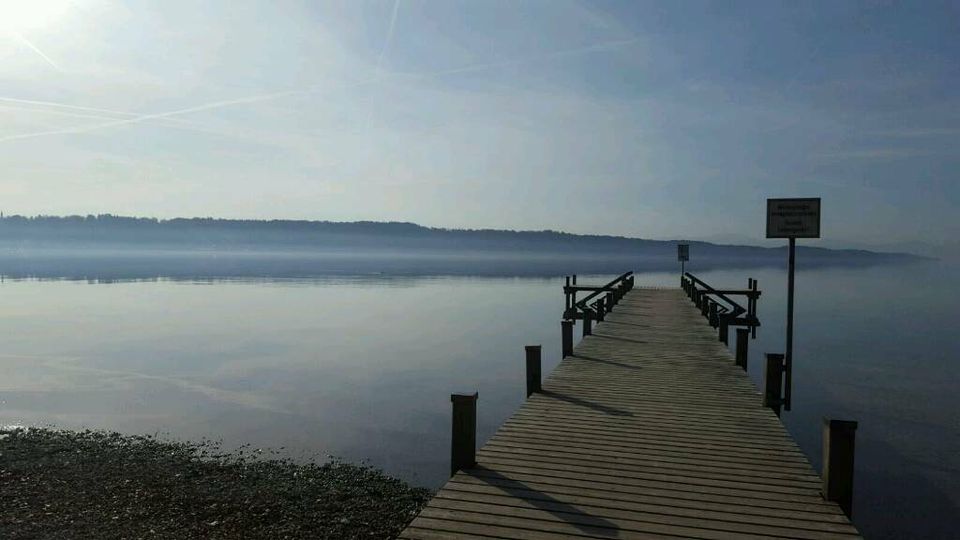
[(649, 429)]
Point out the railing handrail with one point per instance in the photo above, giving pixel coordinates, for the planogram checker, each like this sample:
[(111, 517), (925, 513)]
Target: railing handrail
[(574, 309), (722, 294), (608, 286)]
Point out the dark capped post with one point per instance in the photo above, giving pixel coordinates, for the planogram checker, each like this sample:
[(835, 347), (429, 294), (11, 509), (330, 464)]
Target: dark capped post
[(839, 437), (743, 339), (566, 337), (773, 383), (463, 443), (533, 353)]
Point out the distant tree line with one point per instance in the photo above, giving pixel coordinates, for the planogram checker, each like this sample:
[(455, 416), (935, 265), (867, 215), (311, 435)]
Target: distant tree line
[(213, 233)]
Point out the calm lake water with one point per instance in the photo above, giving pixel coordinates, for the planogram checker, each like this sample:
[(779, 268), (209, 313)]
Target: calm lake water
[(362, 367)]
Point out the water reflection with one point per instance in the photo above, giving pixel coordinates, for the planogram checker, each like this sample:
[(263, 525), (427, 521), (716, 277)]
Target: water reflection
[(362, 366)]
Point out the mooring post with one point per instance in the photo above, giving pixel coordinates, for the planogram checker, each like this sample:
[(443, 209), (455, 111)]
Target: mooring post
[(587, 322), (574, 279), (463, 444), (533, 368), (600, 308), (839, 437), (773, 383), (714, 316), (743, 338), (566, 335), (724, 333)]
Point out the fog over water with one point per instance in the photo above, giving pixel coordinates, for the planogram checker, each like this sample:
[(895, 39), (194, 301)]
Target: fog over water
[(324, 361)]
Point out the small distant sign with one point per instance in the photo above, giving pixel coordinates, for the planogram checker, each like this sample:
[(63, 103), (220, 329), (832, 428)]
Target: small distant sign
[(683, 252), (793, 218)]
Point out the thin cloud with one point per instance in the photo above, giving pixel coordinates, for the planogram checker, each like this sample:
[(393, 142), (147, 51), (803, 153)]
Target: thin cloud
[(917, 132), (607, 45), (878, 153)]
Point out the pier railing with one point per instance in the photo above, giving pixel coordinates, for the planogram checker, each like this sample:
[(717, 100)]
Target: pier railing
[(719, 308), (599, 300), (723, 311)]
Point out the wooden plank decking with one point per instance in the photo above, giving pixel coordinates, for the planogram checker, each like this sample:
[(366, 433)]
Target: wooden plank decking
[(647, 431)]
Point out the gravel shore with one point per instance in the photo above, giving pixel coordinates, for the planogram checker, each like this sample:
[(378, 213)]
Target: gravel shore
[(64, 484)]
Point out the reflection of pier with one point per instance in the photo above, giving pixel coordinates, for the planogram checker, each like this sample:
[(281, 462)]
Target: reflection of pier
[(648, 428)]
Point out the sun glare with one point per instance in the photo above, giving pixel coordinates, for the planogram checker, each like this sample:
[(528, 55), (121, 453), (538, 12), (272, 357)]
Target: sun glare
[(31, 15)]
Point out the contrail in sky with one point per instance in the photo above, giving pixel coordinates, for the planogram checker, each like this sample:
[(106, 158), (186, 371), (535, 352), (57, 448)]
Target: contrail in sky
[(378, 70), (56, 105), (534, 58), (66, 109), (389, 38), (144, 117), (34, 48), (287, 93)]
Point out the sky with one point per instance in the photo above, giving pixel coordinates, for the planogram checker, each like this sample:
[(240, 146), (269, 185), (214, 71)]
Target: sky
[(652, 119)]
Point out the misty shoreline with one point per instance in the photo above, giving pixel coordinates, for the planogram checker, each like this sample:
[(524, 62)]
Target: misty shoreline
[(110, 263), (121, 248)]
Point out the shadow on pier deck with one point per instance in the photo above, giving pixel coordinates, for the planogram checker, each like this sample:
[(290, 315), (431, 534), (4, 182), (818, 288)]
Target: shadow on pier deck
[(648, 429)]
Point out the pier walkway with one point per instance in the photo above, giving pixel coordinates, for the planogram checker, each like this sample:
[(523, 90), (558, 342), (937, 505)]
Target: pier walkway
[(648, 430)]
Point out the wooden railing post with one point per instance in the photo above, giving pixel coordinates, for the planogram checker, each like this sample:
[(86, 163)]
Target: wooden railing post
[(609, 302), (773, 383), (839, 437), (587, 322), (463, 444), (533, 368), (705, 305), (743, 338), (601, 308), (566, 335), (713, 316), (724, 332), (573, 297)]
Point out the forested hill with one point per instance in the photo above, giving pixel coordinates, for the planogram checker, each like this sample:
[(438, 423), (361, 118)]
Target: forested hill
[(285, 235)]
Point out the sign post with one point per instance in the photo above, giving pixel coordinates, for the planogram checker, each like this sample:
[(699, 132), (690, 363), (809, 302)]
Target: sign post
[(683, 255), (792, 219)]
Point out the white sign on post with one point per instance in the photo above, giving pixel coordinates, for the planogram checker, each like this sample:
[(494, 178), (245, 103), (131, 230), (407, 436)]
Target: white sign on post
[(793, 218), (683, 252)]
